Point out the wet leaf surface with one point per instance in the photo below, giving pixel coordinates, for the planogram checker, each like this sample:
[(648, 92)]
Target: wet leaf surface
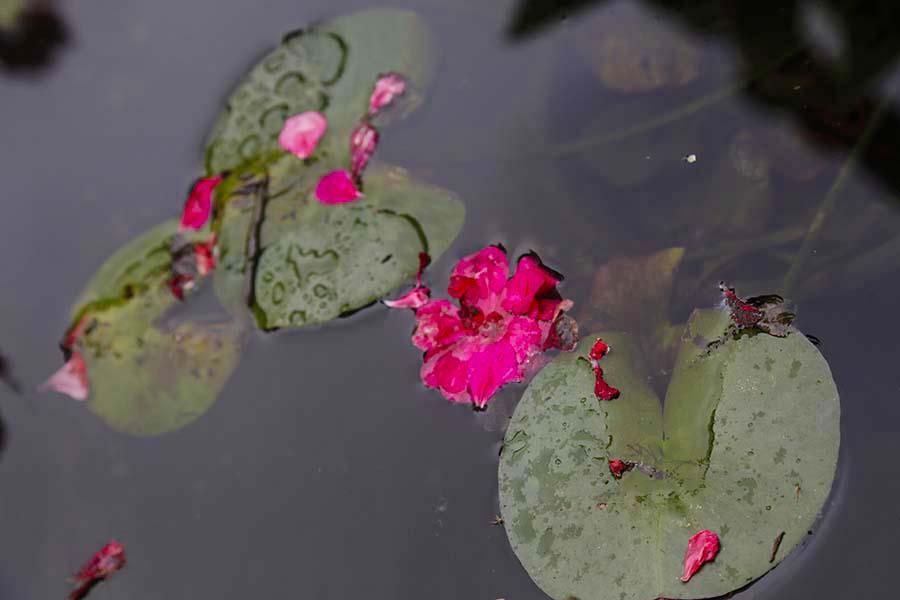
[(330, 260), (331, 68), (743, 426), (148, 376)]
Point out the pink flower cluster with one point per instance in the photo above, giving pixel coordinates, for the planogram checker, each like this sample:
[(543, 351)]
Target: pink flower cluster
[(501, 324), (301, 134)]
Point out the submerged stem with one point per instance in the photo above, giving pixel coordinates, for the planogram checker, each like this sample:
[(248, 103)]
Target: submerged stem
[(830, 199)]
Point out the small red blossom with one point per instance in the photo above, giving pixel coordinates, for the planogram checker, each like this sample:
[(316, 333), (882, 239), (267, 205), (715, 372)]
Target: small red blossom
[(702, 548), (363, 142), (198, 206), (619, 467), (337, 187), (101, 566), (71, 379), (473, 350), (179, 284), (301, 133), (387, 87), (602, 390)]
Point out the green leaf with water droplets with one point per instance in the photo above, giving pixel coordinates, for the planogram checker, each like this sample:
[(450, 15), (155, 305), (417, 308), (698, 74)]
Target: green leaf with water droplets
[(747, 446), (150, 370), (329, 67), (326, 261)]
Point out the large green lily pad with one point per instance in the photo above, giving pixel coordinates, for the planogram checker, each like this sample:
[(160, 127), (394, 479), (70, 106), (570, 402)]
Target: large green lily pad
[(747, 447), (329, 67), (326, 261), (148, 376)]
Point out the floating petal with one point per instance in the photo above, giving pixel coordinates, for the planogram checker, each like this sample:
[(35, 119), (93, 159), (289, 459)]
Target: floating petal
[(387, 87), (301, 133), (337, 187), (198, 206), (702, 548), (71, 379)]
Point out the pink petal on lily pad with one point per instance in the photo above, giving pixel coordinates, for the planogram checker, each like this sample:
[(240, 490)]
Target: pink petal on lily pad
[(301, 133), (71, 379), (363, 142), (198, 206), (387, 87), (337, 187), (702, 548)]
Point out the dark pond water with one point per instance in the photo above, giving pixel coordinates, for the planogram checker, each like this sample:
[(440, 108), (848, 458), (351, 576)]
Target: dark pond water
[(325, 469)]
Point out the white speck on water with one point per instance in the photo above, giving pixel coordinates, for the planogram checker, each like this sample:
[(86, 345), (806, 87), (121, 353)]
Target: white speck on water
[(691, 158)]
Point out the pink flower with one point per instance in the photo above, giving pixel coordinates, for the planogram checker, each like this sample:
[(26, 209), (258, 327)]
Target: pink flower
[(104, 563), (71, 379), (301, 133), (473, 350), (387, 87), (198, 206), (363, 142), (336, 187), (702, 548)]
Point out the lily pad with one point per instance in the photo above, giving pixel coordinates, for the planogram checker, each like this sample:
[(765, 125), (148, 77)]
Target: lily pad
[(326, 261), (747, 447), (148, 377), (329, 67)]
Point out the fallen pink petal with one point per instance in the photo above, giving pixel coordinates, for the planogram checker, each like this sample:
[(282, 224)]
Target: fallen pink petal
[(619, 467), (387, 87), (71, 379), (418, 296), (702, 548), (100, 567), (337, 187), (198, 206), (474, 349), (363, 142), (415, 298), (301, 133)]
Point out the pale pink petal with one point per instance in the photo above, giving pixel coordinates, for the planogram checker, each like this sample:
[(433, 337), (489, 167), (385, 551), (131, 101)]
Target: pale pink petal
[(438, 325), (337, 187), (477, 280), (363, 142), (301, 133), (387, 87), (532, 290), (415, 298), (198, 206), (489, 370), (71, 379), (702, 548)]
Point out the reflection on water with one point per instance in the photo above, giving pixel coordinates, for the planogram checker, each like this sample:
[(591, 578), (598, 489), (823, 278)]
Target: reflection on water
[(324, 468)]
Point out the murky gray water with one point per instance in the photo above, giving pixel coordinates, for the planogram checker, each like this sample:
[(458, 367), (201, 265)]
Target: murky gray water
[(325, 469)]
